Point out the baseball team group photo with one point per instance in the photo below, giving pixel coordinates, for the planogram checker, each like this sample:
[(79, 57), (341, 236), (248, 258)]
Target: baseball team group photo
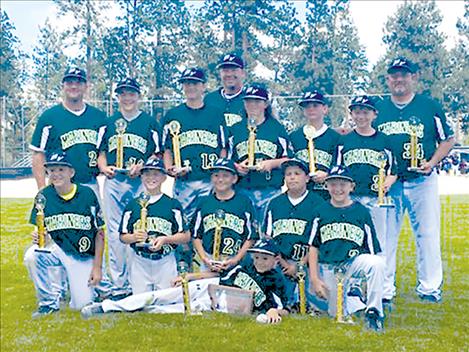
[(237, 211)]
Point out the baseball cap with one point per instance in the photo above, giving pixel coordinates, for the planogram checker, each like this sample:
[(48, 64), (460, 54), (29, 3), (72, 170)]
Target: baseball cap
[(312, 97), (265, 247), (231, 60), (402, 63), (295, 162), (224, 164), (154, 164), (192, 74), (128, 83), (339, 172), (362, 101), (255, 91), (74, 72), (57, 158)]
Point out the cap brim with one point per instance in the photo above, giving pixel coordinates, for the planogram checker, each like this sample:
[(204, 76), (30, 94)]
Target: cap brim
[(304, 102), (119, 89), (371, 107), (226, 64), (81, 78), (393, 69), (57, 163), (254, 97), (187, 79), (341, 177), (224, 168), (289, 163), (260, 250), (146, 168)]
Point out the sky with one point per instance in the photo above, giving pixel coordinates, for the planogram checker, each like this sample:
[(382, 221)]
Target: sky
[(369, 17)]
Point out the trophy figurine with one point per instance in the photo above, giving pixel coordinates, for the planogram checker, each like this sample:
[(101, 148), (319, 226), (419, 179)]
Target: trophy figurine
[(383, 200), (121, 126), (40, 204), (309, 132), (143, 201), (339, 273), (414, 123), (175, 130), (301, 274), (219, 220), (252, 127), (185, 288)]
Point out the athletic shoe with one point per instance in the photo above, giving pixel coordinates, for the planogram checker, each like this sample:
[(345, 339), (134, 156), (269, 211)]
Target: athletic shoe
[(356, 291), (91, 310), (373, 320), (44, 310), (430, 298)]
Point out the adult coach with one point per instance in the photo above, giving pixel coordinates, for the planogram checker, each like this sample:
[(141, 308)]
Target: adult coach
[(415, 191), (229, 97), (73, 127)]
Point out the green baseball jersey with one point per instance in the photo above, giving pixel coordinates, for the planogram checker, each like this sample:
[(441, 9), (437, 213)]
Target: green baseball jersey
[(232, 106), (72, 224), (432, 129), (325, 142), (271, 143), (164, 218), (289, 225), (362, 156), (201, 137), (140, 139), (236, 227), (341, 234), (78, 136), (269, 287)]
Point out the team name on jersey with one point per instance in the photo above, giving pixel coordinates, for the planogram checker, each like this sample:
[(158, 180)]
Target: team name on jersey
[(129, 141), (362, 156), (231, 222), (342, 231), (197, 137), (262, 146), (231, 119), (81, 136), (156, 224), (67, 221), (289, 226), (246, 282), (400, 127), (320, 157)]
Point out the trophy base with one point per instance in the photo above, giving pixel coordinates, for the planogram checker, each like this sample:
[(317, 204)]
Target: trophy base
[(42, 250), (386, 205), (216, 262), (413, 169), (346, 320), (182, 169), (121, 171), (312, 174), (143, 245), (253, 168)]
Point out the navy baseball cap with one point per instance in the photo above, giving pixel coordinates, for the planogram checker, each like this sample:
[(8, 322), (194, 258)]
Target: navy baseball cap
[(362, 101), (295, 162), (231, 61), (265, 247), (339, 172), (255, 91), (312, 97), (58, 158), (154, 164), (129, 84), (402, 63), (75, 73), (224, 164), (192, 74)]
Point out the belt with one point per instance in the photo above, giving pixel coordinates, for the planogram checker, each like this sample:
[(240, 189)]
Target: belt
[(152, 256)]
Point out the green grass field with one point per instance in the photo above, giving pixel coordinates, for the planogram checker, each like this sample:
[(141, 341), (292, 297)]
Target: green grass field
[(413, 325)]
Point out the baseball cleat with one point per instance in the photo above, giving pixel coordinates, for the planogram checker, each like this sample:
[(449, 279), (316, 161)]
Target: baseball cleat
[(430, 298), (92, 310), (373, 320), (44, 310)]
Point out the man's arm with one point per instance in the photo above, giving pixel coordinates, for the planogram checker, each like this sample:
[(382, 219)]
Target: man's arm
[(440, 153), (96, 273), (38, 160)]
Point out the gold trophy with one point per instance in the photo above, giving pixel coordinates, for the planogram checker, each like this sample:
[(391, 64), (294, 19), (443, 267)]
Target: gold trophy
[(309, 132), (40, 204), (175, 130), (383, 200), (185, 288), (143, 201), (219, 220), (414, 123), (252, 127), (121, 126), (339, 273), (301, 275)]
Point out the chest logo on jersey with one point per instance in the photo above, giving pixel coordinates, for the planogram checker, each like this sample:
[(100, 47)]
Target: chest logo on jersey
[(84, 244), (289, 226), (129, 141), (320, 156), (155, 224), (246, 282), (67, 221), (231, 222), (82, 136), (196, 137), (362, 156), (231, 119), (262, 147), (400, 127), (342, 231)]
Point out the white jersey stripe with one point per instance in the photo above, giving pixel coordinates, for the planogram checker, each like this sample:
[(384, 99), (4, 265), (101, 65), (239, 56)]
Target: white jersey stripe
[(369, 239)]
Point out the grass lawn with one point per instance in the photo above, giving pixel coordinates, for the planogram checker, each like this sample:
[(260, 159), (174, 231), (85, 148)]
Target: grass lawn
[(412, 326)]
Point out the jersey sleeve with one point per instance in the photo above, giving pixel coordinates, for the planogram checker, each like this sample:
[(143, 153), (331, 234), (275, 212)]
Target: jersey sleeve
[(337, 157), (371, 238), (222, 132), (249, 228), (180, 220), (267, 223), (391, 167), (283, 140), (165, 135), (314, 238), (443, 129), (32, 217), (96, 210), (196, 223), (103, 144), (127, 221), (41, 134), (155, 137)]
